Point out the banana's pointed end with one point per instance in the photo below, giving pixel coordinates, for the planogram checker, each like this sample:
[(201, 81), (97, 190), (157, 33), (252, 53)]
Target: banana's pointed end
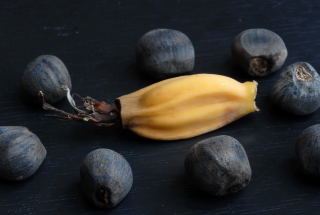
[(255, 91)]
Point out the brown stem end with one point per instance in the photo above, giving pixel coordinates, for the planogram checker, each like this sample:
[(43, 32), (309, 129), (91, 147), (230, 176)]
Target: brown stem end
[(91, 110)]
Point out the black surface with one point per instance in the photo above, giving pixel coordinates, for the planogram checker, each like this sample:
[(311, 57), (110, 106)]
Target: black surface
[(96, 40)]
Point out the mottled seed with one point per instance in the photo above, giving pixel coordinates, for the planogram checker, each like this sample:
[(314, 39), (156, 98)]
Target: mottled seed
[(298, 89), (259, 51), (106, 178), (48, 74), (21, 153), (164, 53), (218, 165), (308, 150)]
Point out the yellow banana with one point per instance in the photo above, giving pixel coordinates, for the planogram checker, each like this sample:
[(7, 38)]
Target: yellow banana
[(172, 109), (186, 106)]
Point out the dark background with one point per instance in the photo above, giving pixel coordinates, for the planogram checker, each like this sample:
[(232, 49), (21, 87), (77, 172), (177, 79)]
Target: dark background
[(96, 40)]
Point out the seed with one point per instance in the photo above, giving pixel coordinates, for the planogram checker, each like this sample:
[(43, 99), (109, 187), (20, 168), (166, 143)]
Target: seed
[(164, 53), (218, 165), (106, 178), (308, 150), (21, 153), (298, 89), (259, 51), (49, 75)]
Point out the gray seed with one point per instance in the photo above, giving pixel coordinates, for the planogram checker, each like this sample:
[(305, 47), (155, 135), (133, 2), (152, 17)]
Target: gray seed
[(48, 74), (21, 153), (164, 53), (106, 178), (298, 89), (218, 165), (259, 51), (308, 150)]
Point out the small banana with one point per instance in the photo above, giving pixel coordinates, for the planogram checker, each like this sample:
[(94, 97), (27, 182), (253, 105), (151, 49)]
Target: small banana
[(186, 106), (176, 108)]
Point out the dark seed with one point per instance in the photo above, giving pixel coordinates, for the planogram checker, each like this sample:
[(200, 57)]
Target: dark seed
[(218, 165), (298, 89), (164, 53), (48, 74), (106, 177), (259, 51), (21, 153), (308, 150)]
